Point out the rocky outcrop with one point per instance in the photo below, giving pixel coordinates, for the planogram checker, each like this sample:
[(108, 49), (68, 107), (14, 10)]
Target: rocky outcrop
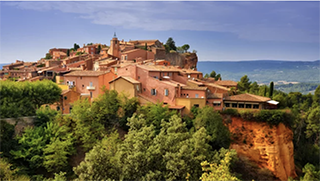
[(269, 147), (185, 60)]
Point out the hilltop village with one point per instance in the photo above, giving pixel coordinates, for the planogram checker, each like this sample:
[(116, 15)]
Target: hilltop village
[(138, 68)]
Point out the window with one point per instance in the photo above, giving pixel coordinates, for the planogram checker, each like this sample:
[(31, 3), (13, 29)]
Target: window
[(65, 97), (138, 77), (248, 106), (197, 95), (196, 105), (241, 105), (144, 89), (155, 77), (227, 104), (170, 74), (137, 86), (256, 106), (91, 48), (90, 84), (126, 57), (58, 108), (153, 92), (166, 92), (82, 86), (235, 105), (91, 94), (216, 104), (80, 77)]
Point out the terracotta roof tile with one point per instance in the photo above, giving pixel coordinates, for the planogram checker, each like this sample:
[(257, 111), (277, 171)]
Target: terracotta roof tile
[(226, 82), (247, 97), (86, 73), (194, 88), (217, 86)]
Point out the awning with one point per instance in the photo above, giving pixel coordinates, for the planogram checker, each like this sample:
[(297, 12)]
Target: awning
[(273, 102), (216, 102), (85, 94)]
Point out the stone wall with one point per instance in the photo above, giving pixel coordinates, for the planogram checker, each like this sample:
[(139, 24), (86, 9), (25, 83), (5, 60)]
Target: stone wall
[(20, 123)]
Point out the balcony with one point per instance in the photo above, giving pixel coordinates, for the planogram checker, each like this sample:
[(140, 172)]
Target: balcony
[(91, 87)]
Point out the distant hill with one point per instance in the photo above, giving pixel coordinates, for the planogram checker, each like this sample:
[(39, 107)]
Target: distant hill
[(265, 71)]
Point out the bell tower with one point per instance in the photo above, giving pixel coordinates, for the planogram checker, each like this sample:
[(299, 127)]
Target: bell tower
[(114, 48)]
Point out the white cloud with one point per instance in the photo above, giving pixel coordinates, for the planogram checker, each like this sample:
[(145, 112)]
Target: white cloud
[(283, 21)]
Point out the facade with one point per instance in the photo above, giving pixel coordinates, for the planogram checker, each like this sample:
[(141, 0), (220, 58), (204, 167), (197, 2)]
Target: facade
[(137, 55), (89, 82)]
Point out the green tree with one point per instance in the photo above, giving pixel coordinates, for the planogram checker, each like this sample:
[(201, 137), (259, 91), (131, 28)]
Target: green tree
[(218, 172), (75, 46), (271, 90), (6, 141), (254, 88), (155, 113), (60, 147), (206, 76), (99, 49), (313, 124), (185, 47), (126, 109), (7, 173), (105, 108), (244, 84), (310, 173), (87, 129), (101, 162), (170, 155), (44, 115), (218, 77), (171, 44), (68, 52), (48, 56), (316, 97), (213, 74), (213, 123)]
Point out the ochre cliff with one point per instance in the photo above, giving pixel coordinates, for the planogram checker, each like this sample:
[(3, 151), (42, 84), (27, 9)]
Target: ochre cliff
[(269, 147), (184, 60)]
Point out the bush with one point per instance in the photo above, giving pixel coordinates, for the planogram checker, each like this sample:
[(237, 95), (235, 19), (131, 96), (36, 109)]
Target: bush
[(231, 112), (272, 117)]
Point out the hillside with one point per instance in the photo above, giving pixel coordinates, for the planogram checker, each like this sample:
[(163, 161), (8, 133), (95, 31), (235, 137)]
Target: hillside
[(264, 71)]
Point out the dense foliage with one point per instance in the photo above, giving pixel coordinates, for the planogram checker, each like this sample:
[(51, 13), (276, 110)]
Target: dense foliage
[(23, 98)]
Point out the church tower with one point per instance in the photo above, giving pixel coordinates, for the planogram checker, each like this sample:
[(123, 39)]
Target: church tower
[(114, 48)]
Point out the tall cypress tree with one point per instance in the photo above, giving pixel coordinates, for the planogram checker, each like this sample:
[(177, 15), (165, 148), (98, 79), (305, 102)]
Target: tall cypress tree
[(271, 90)]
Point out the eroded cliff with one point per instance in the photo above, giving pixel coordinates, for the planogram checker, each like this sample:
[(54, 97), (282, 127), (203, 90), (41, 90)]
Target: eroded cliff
[(185, 60), (269, 147)]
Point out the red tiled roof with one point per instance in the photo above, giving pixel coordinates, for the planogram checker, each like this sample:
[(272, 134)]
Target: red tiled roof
[(193, 88), (247, 97), (129, 79), (76, 64), (226, 82), (86, 73)]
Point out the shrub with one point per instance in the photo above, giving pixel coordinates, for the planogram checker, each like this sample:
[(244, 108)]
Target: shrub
[(231, 112)]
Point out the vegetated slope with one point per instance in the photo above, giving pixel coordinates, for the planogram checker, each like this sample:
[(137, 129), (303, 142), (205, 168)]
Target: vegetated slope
[(264, 71), (304, 88)]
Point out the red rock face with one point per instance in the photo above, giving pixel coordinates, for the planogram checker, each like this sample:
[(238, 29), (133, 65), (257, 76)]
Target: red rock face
[(269, 147), (186, 60)]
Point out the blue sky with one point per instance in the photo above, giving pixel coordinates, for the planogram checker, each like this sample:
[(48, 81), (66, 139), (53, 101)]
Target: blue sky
[(219, 31)]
